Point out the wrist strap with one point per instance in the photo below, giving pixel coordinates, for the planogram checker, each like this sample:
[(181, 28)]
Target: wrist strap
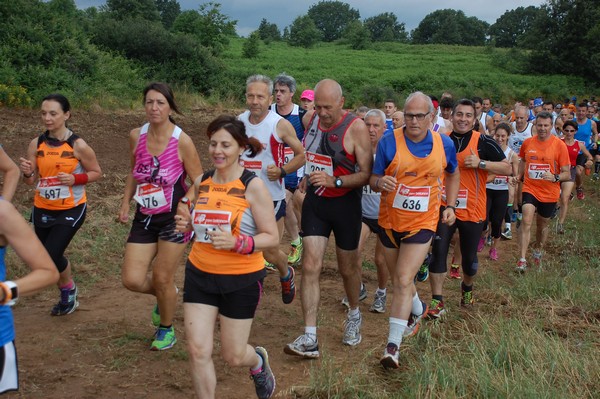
[(80, 178), (11, 293)]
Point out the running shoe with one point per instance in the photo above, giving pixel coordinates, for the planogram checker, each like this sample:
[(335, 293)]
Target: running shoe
[(507, 234), (361, 296), (513, 218), (537, 257), (560, 228), (156, 316), (378, 305), (436, 310), (414, 322), (423, 273), (488, 241), (521, 266), (164, 338), (455, 271), (389, 360), (493, 254), (352, 335), (304, 346), (595, 176), (571, 196), (519, 219), (264, 380), (481, 244), (295, 255), (67, 303), (288, 288), (270, 267), (466, 298), (580, 193)]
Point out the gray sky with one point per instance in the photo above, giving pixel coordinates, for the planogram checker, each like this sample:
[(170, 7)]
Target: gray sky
[(249, 13)]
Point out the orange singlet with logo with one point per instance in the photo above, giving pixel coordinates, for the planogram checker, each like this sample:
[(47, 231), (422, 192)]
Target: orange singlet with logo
[(53, 157), (472, 196), (223, 206), (415, 205)]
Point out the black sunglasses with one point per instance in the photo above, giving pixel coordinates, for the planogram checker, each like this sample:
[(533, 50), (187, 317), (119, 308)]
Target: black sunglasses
[(155, 166)]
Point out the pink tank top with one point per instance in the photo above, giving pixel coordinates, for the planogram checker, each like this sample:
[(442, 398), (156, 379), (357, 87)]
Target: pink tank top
[(164, 172)]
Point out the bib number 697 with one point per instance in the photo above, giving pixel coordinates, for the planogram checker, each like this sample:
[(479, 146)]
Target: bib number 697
[(52, 193)]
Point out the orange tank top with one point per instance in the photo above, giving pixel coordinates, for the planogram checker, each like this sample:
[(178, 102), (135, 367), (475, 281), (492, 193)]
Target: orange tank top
[(223, 205), (416, 203), (472, 196), (53, 157)]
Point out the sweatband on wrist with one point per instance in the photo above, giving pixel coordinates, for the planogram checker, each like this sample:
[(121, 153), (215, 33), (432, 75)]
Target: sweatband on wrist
[(11, 293), (283, 172), (80, 178), (244, 244)]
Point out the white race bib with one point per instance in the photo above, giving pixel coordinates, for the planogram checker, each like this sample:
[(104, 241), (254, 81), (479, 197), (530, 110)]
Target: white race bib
[(461, 199), (288, 155), (500, 180), (252, 165), (318, 162), (205, 221), (412, 199), (537, 170), (150, 196), (52, 189)]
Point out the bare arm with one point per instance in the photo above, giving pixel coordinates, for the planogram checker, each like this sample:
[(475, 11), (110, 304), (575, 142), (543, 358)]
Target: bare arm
[(11, 175), (287, 133), (15, 231), (28, 165), (87, 157)]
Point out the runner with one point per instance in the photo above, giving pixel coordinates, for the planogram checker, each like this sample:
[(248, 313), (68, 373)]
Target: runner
[(15, 231), (579, 157), (498, 191), (478, 155), (63, 164), (587, 132), (285, 87), (544, 163), (521, 130), (339, 159), (307, 100), (162, 156), (410, 166), (233, 221), (273, 132)]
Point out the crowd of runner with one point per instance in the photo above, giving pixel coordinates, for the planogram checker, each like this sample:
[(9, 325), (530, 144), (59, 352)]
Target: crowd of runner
[(436, 172)]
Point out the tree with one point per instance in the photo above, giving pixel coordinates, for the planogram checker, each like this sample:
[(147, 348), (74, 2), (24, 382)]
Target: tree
[(169, 11), (209, 26), (124, 9), (251, 47), (268, 32), (303, 32), (386, 28), (357, 36), (513, 28), (332, 17), (567, 39), (450, 27)]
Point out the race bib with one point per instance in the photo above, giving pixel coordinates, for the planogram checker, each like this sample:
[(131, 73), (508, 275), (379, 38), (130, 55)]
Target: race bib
[(206, 221), (461, 199), (536, 171), (52, 189), (288, 155), (252, 165), (412, 199), (500, 180), (318, 162), (150, 196)]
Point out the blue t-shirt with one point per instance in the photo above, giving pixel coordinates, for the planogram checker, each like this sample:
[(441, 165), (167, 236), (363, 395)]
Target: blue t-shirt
[(7, 327), (386, 150)]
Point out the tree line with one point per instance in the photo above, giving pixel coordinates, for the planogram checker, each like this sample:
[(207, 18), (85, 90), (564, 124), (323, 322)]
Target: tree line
[(123, 43)]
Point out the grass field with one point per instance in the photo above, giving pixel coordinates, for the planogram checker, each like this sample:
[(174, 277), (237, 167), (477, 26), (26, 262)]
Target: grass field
[(395, 70)]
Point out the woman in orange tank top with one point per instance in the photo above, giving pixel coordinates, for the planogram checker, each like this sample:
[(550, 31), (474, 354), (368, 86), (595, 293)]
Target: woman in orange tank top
[(233, 221), (63, 164)]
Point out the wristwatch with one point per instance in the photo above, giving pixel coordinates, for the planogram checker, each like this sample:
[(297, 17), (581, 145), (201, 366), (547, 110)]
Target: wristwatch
[(338, 182), (556, 178), (186, 201), (481, 164)]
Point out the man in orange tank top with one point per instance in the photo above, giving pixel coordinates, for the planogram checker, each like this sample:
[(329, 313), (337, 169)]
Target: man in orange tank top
[(478, 155), (544, 164)]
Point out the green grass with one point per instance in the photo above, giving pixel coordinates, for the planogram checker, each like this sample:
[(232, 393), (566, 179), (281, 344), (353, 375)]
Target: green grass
[(395, 70)]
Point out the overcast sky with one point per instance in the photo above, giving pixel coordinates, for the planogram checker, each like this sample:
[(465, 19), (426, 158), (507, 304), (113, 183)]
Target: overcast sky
[(249, 13)]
